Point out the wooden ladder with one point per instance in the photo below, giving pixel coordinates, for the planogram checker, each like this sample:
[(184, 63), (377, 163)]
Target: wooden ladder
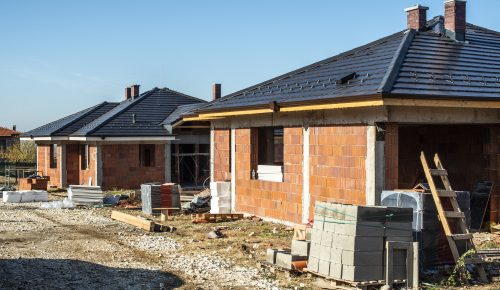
[(456, 214)]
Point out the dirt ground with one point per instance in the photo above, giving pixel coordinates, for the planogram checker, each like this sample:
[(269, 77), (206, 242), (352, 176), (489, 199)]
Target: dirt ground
[(85, 249)]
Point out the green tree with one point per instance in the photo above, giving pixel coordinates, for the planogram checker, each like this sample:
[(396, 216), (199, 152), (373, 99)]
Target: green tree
[(23, 151)]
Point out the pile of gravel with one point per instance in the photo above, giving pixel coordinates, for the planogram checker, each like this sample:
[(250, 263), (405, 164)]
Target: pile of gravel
[(155, 243)]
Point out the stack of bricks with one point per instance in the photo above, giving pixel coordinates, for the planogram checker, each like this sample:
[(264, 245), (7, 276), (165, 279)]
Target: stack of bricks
[(294, 259), (347, 241)]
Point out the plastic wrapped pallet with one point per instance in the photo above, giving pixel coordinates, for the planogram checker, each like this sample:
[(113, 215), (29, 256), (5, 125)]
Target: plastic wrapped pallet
[(220, 193), (11, 196)]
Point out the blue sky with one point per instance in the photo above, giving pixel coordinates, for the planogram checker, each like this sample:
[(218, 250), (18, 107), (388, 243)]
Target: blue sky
[(58, 57)]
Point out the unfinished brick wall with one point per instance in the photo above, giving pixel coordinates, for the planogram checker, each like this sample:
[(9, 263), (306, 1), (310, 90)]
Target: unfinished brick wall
[(121, 166), (391, 155), (72, 164), (337, 164), (222, 153), (89, 174), (278, 200), (492, 172), (43, 164)]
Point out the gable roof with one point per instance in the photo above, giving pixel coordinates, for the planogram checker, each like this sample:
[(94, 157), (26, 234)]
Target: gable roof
[(408, 63), (6, 132), (148, 110)]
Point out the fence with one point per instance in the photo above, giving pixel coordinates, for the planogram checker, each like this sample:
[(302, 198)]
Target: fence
[(10, 172)]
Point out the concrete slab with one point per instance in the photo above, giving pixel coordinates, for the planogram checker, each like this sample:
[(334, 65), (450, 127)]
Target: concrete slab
[(336, 270), (285, 259), (301, 248), (362, 273), (362, 258)]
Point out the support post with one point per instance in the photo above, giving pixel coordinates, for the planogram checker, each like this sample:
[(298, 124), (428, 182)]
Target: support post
[(168, 162), (98, 164), (375, 163), (306, 197), (62, 166), (233, 169), (212, 152)]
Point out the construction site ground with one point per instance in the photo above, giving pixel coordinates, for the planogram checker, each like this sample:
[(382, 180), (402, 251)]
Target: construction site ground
[(84, 248)]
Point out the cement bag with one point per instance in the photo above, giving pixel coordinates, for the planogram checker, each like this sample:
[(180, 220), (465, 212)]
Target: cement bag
[(11, 196), (40, 195), (27, 196)]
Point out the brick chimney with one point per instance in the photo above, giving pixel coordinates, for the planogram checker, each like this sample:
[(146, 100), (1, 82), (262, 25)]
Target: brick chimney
[(216, 91), (135, 91), (128, 93), (14, 127), (416, 17), (455, 19)]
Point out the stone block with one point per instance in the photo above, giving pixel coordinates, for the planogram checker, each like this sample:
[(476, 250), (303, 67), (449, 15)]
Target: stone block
[(352, 243), (362, 258), (362, 229), (362, 273), (271, 255), (336, 255), (324, 267), (285, 259), (313, 264), (315, 250), (336, 270), (300, 248), (326, 238)]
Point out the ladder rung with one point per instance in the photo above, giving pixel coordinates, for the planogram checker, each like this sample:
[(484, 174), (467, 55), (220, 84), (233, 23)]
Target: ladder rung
[(454, 214), (458, 237), (446, 193), (438, 172), (474, 260)]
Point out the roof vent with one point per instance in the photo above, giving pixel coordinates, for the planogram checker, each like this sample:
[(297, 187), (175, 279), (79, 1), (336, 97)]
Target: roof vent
[(348, 78)]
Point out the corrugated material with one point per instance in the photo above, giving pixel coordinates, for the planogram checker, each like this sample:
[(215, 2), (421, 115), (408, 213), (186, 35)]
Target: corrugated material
[(81, 194)]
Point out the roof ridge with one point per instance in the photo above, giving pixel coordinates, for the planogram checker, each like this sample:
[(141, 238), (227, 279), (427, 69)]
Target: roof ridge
[(496, 33), (308, 67), (185, 95), (396, 62), (80, 117)]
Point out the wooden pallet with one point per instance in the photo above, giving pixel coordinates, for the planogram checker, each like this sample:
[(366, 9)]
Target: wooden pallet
[(215, 217), (439, 195), (332, 283)]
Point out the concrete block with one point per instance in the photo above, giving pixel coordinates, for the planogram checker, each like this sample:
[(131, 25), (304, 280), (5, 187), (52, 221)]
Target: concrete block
[(315, 250), (316, 236), (365, 213), (362, 273), (324, 267), (352, 243), (362, 229), (326, 238), (398, 229), (318, 223), (325, 253), (336, 240), (313, 264), (271, 255), (362, 258), (285, 259), (336, 270), (319, 208), (336, 255), (399, 214), (329, 224), (300, 248)]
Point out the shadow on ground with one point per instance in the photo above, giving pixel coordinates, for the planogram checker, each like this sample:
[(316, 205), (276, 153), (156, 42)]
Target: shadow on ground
[(75, 274)]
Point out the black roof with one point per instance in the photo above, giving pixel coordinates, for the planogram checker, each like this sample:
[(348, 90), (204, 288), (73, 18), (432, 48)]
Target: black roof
[(407, 63), (149, 111)]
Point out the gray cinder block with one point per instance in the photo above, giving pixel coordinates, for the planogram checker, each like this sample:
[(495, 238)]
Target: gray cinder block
[(324, 267), (329, 224), (325, 253), (285, 259), (352, 243), (316, 236), (271, 255), (362, 273), (398, 229), (313, 264), (362, 258), (300, 248), (326, 238), (399, 214), (336, 270), (315, 250), (319, 221), (319, 208), (365, 213), (336, 255), (362, 229)]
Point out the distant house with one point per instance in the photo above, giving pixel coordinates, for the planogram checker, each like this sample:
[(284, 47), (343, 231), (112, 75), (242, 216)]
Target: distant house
[(8, 137), (124, 144), (347, 127)]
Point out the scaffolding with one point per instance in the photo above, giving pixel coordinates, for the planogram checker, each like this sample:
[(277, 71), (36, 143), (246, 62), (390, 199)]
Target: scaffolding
[(10, 172), (190, 165)]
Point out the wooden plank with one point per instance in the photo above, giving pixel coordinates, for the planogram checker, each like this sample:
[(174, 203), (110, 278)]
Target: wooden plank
[(447, 193), (454, 214), (458, 237), (133, 220), (442, 103)]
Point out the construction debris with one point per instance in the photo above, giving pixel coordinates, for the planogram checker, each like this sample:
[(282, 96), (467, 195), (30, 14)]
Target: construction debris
[(58, 204), (85, 195), (213, 218), (216, 234), (141, 222), (34, 183), (199, 204), (220, 201)]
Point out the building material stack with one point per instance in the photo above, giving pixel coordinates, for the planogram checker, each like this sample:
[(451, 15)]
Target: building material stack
[(220, 201), (85, 195), (347, 241), (155, 196), (34, 183), (170, 196), (25, 196)]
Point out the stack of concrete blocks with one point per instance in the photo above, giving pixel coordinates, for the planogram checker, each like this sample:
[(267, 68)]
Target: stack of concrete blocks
[(287, 258), (220, 201), (25, 196), (347, 241)]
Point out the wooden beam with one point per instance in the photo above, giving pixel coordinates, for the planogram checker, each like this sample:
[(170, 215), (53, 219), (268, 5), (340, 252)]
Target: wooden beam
[(199, 118), (236, 113), (443, 103), (133, 220), (344, 105)]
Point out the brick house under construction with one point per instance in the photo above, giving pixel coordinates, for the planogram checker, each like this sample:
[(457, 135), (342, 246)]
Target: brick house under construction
[(346, 128), (121, 145)]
